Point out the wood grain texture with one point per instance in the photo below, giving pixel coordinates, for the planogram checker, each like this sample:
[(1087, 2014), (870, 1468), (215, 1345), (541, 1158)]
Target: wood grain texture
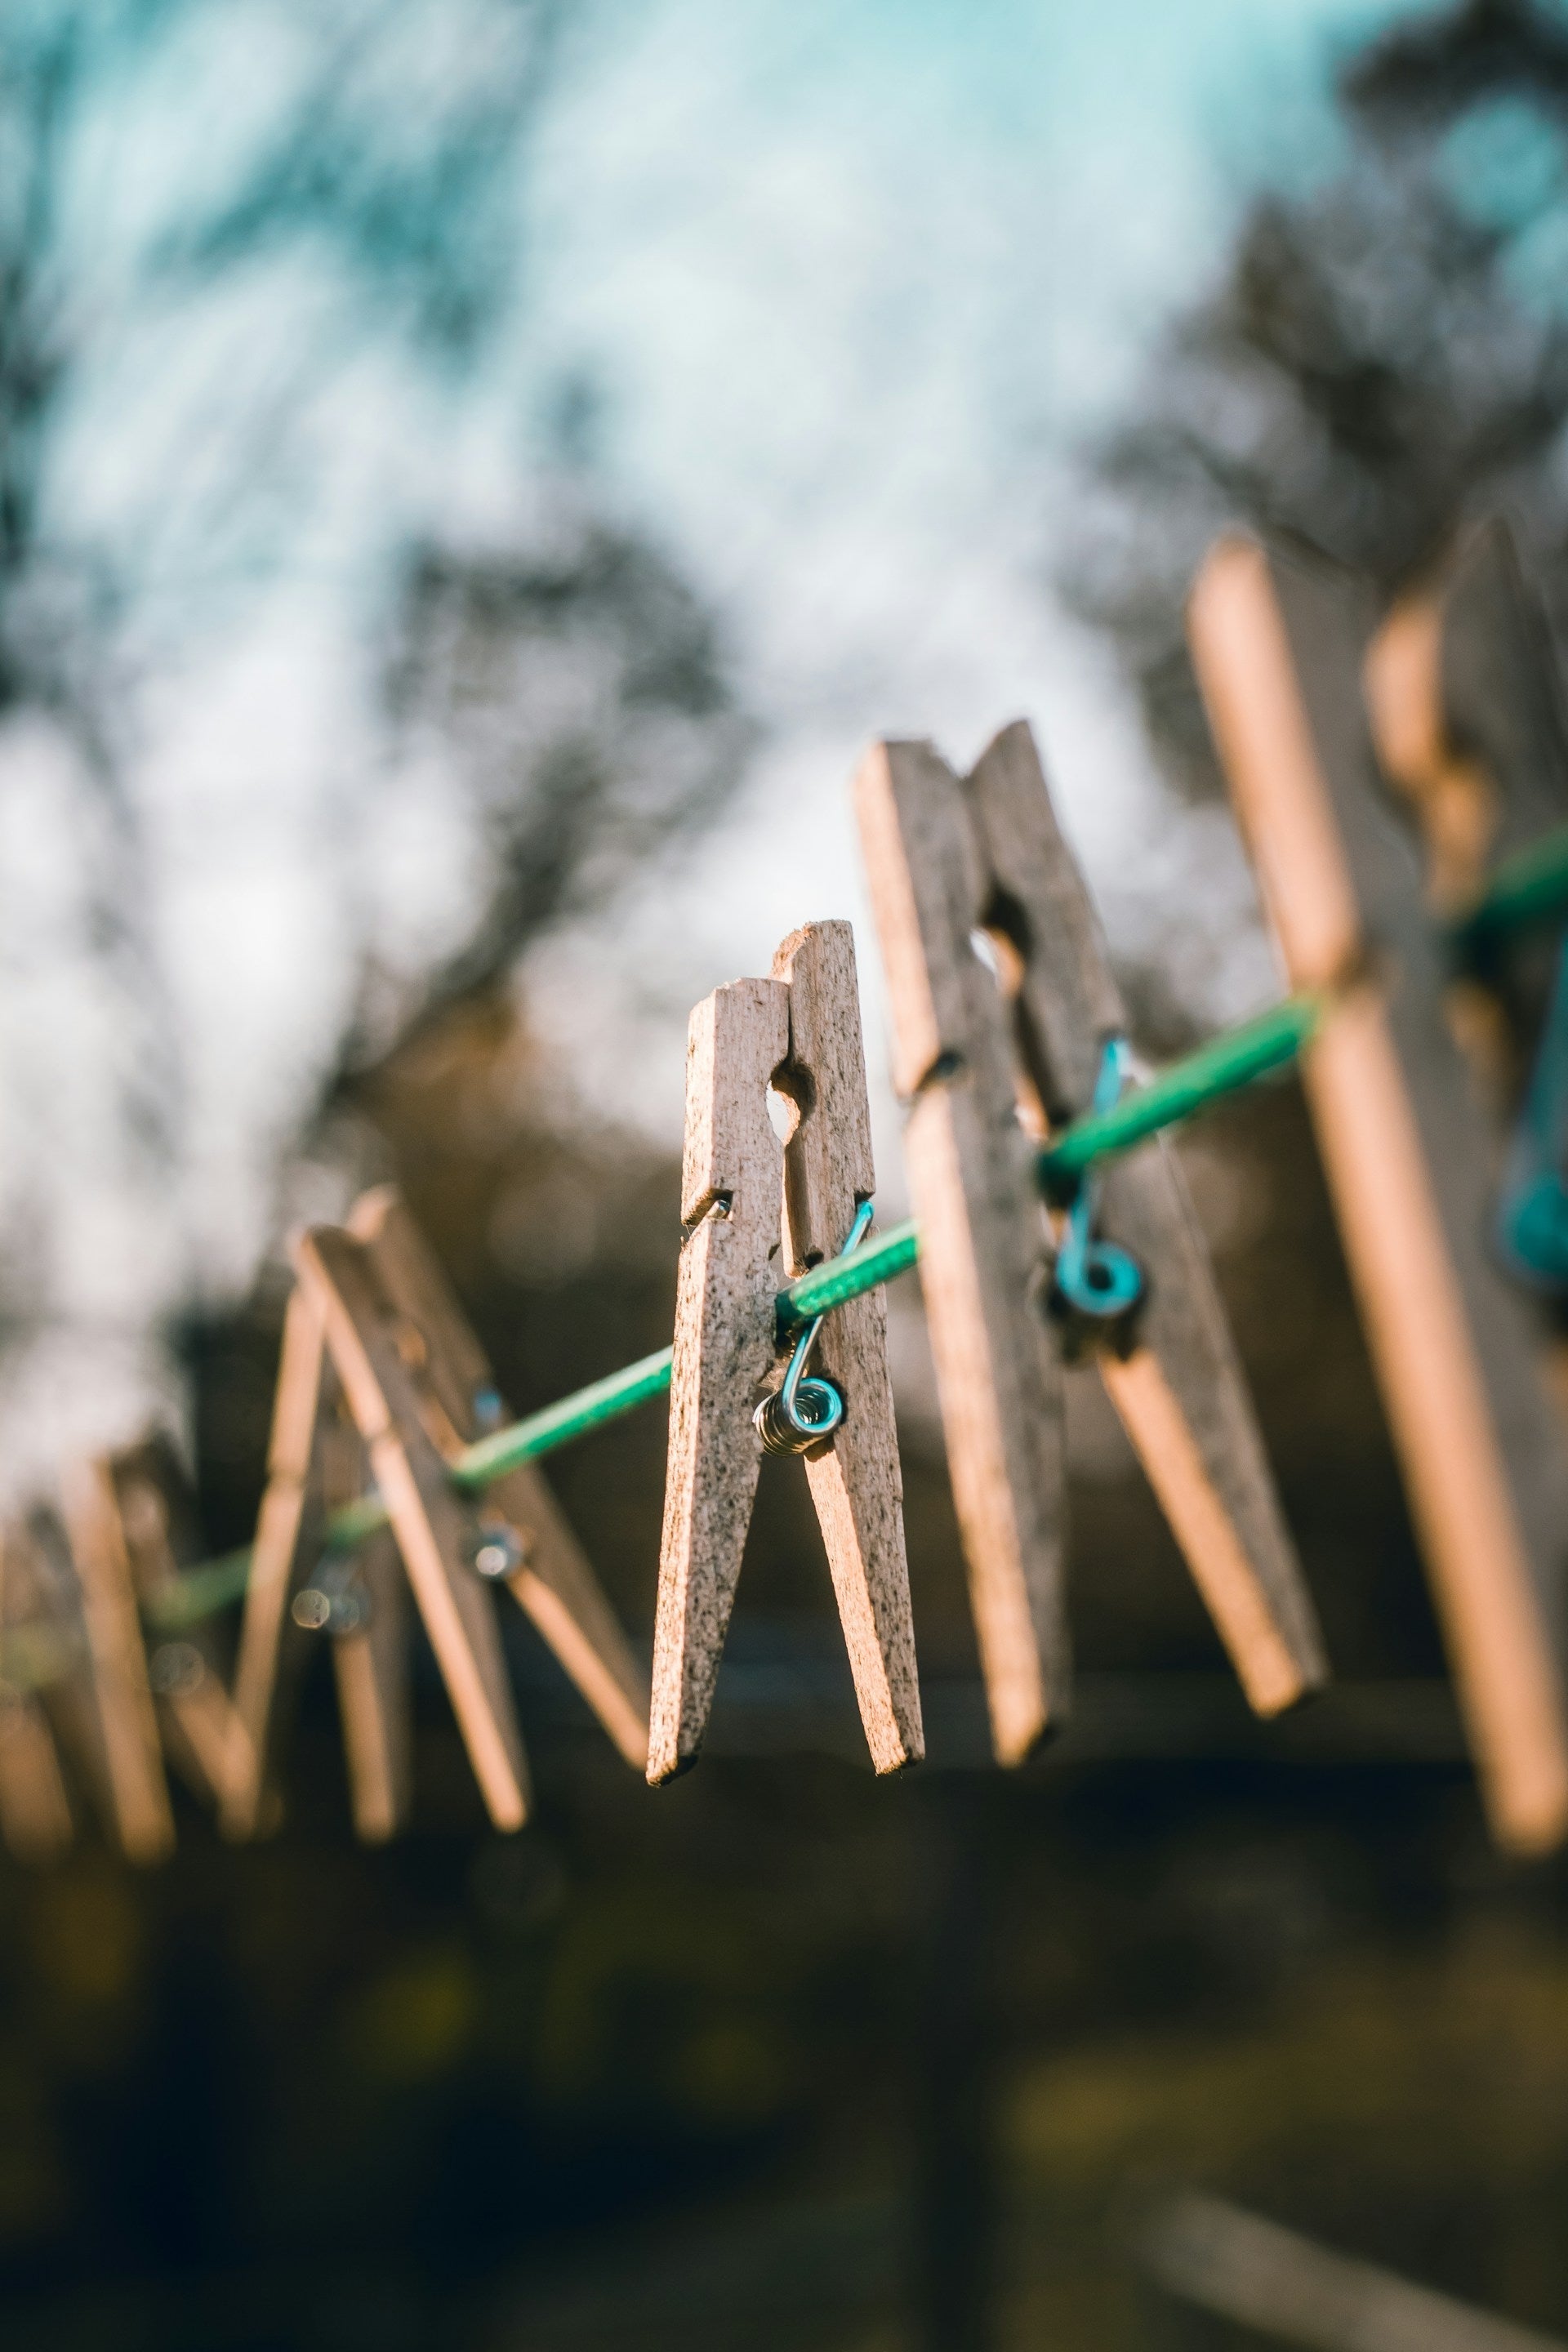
[(982, 1235), (367, 1335), (856, 1481), (553, 1584), (1278, 647), (1182, 1397), (35, 1811), (138, 1794), (732, 1187)]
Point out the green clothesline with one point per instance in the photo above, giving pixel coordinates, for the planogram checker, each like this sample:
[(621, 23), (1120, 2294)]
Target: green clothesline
[(1204, 1076), (1526, 890)]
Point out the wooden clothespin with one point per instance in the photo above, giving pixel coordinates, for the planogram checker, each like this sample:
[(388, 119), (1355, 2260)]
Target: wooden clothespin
[(1467, 709), (798, 1032), (317, 1461), (1279, 643), (1170, 1368), (1468, 716), (990, 1072), (529, 1547), (419, 1390), (999, 1375), (113, 1691), (131, 1528)]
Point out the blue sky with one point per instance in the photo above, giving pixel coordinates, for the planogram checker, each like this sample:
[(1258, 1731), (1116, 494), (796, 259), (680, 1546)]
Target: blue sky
[(851, 284)]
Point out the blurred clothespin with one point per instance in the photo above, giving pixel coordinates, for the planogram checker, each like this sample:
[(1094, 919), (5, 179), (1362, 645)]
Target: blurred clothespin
[(1465, 705), (991, 1065), (420, 1390), (1467, 710), (798, 1033), (1279, 643), (297, 1587), (110, 1687), (999, 1370), (133, 1528)]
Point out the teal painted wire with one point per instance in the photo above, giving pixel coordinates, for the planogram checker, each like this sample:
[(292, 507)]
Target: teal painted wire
[(558, 1424), (1215, 1070)]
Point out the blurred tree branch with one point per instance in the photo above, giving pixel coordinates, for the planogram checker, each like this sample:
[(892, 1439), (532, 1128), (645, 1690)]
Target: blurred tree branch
[(581, 699), (1382, 359), (251, 257)]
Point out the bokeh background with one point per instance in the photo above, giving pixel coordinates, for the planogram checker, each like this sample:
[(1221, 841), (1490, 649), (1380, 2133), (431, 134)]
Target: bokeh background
[(473, 475)]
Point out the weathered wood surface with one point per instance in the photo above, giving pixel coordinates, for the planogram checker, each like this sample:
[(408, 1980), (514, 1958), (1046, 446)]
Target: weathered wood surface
[(1180, 1391), (35, 1811), (138, 1794), (553, 1582), (856, 1481), (367, 1337), (1279, 646), (730, 1190), (982, 1235)]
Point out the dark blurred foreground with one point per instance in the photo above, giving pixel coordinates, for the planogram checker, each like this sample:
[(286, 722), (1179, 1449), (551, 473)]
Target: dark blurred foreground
[(782, 2056)]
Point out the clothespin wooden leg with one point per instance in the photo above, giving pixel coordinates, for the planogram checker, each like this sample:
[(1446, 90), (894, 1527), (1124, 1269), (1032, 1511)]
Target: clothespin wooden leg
[(316, 1461), (363, 1330), (1467, 709), (982, 1236), (1279, 652), (552, 1581), (732, 1180), (199, 1722), (554, 1585), (371, 1668), (1182, 1401), (127, 1725), (371, 1661), (296, 1408), (35, 1811), (1178, 1387), (854, 1478)]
